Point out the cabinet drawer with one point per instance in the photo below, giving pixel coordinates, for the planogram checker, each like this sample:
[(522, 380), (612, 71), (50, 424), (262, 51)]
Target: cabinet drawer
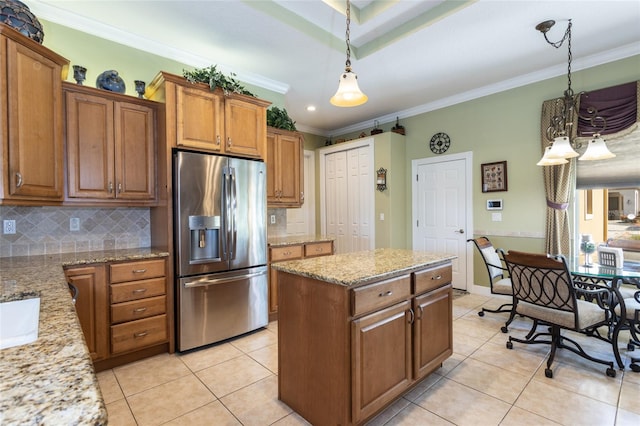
[(135, 290), (137, 334), (141, 270), (285, 253), (138, 309), (378, 295), (318, 249), (432, 278)]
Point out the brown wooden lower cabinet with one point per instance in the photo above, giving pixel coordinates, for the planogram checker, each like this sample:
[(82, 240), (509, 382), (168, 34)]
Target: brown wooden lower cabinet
[(347, 353), (122, 308)]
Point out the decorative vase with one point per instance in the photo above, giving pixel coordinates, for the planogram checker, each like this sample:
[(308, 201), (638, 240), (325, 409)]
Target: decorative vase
[(79, 74), (17, 15), (110, 80), (587, 246), (140, 88)]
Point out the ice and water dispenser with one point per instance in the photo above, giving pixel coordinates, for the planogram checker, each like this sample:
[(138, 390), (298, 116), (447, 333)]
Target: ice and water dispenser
[(205, 235)]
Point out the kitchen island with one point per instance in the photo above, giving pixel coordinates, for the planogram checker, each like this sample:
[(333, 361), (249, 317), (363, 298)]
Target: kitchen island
[(357, 330), (52, 380)]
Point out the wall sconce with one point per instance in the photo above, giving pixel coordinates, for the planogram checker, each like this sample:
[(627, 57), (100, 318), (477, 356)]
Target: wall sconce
[(381, 180)]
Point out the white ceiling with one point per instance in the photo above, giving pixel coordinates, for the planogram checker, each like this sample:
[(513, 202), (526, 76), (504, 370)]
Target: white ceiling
[(410, 56)]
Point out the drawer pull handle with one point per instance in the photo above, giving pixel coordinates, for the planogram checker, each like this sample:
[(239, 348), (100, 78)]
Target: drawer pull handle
[(139, 290), (141, 334), (319, 249), (139, 310), (386, 293), (139, 271), (286, 253), (437, 277), (412, 316)]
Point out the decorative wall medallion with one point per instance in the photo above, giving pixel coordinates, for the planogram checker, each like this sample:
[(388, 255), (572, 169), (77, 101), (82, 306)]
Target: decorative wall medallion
[(440, 143)]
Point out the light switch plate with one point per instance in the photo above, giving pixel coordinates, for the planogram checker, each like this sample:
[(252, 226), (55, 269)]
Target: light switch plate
[(74, 224), (496, 217)]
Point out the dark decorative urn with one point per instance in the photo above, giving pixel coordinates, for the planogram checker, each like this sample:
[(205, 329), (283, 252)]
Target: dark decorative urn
[(110, 80), (17, 15)]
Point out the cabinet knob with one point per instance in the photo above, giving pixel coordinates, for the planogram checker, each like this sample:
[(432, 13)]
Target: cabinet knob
[(119, 188), (139, 310), (229, 141), (301, 195), (110, 187), (218, 140), (18, 179)]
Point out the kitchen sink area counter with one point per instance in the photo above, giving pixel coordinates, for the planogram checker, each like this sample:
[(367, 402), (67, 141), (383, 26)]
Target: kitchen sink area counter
[(359, 268), (358, 330), (52, 380)]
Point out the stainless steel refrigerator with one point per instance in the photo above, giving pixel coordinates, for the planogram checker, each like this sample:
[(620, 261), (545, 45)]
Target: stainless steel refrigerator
[(221, 247)]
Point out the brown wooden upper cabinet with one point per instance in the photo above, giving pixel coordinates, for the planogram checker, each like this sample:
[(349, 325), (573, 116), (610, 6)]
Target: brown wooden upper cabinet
[(206, 120), (285, 173), (31, 125), (111, 150)]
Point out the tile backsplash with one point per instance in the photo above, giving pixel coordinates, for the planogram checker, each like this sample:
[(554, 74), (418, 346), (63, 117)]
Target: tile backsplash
[(45, 230)]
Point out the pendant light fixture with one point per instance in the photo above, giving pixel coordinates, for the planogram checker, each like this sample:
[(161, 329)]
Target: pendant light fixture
[(561, 124), (348, 94)]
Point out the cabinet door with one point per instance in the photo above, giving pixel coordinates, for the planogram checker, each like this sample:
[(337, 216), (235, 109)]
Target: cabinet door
[(91, 306), (245, 128), (199, 119), (284, 169), (90, 153), (381, 359), (272, 163), (134, 151), (433, 334), (34, 90)]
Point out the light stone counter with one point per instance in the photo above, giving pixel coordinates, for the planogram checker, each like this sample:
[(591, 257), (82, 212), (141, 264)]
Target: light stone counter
[(353, 269), (287, 240), (52, 381)]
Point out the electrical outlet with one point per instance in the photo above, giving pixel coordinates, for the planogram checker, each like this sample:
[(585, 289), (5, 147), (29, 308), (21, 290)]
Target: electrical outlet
[(74, 224), (273, 219), (9, 226)]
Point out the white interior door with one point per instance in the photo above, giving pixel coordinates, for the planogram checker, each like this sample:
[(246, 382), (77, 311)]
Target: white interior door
[(442, 210), (302, 221), (347, 195)]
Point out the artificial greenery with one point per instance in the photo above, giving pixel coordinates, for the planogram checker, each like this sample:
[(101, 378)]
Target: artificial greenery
[(215, 78), (279, 119)]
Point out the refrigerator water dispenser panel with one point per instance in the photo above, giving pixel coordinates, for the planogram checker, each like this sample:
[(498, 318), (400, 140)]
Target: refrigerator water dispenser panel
[(205, 238)]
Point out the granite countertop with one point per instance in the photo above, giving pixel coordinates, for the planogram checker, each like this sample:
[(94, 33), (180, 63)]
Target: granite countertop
[(52, 380), (354, 269), (287, 240)]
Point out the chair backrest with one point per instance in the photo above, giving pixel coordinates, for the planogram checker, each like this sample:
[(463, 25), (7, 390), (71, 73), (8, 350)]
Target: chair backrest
[(490, 257), (610, 256), (541, 280)]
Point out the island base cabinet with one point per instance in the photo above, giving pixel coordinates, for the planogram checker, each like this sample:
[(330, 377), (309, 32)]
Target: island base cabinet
[(381, 356), (433, 331)]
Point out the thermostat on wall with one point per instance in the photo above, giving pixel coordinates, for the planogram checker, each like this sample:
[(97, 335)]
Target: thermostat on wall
[(494, 204)]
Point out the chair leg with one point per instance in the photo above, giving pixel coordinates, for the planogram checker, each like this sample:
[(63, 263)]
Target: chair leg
[(512, 315), (555, 343), (501, 309)]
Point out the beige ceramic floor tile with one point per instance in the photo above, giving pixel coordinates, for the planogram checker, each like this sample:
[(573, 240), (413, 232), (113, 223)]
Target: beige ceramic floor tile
[(519, 417), (273, 326), (213, 413), (521, 362), (109, 386), (208, 357), (462, 405), (630, 396), (489, 379), (148, 373), (257, 404), (415, 415), (169, 401), (421, 387), (267, 356), (551, 401), (388, 413), (229, 376), (119, 414), (256, 340), (631, 376), (471, 301), (484, 330), (465, 345), (449, 364), (293, 419), (627, 418)]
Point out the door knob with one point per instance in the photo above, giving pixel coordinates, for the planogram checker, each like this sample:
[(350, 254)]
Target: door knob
[(460, 231)]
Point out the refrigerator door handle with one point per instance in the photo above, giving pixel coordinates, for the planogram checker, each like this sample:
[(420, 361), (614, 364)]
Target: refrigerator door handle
[(234, 208), (225, 211), (204, 282)]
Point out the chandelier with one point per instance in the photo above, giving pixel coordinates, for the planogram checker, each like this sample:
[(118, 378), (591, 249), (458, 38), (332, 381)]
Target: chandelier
[(559, 130), (348, 94)]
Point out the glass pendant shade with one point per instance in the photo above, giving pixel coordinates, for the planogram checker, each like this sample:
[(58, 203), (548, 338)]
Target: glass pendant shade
[(597, 150), (562, 148), (348, 94), (548, 161)]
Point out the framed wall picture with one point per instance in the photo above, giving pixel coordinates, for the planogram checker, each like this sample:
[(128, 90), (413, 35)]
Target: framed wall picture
[(494, 176)]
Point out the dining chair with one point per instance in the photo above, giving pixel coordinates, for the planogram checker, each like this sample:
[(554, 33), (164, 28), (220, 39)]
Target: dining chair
[(610, 256), (499, 282), (544, 290), (629, 315)]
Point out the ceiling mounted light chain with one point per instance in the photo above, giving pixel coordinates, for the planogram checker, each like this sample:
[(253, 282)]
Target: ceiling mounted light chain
[(348, 94), (560, 128)]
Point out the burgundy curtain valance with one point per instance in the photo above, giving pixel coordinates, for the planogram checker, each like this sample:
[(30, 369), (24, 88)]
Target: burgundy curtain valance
[(618, 105)]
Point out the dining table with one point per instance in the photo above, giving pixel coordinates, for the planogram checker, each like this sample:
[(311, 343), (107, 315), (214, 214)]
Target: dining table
[(625, 280)]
